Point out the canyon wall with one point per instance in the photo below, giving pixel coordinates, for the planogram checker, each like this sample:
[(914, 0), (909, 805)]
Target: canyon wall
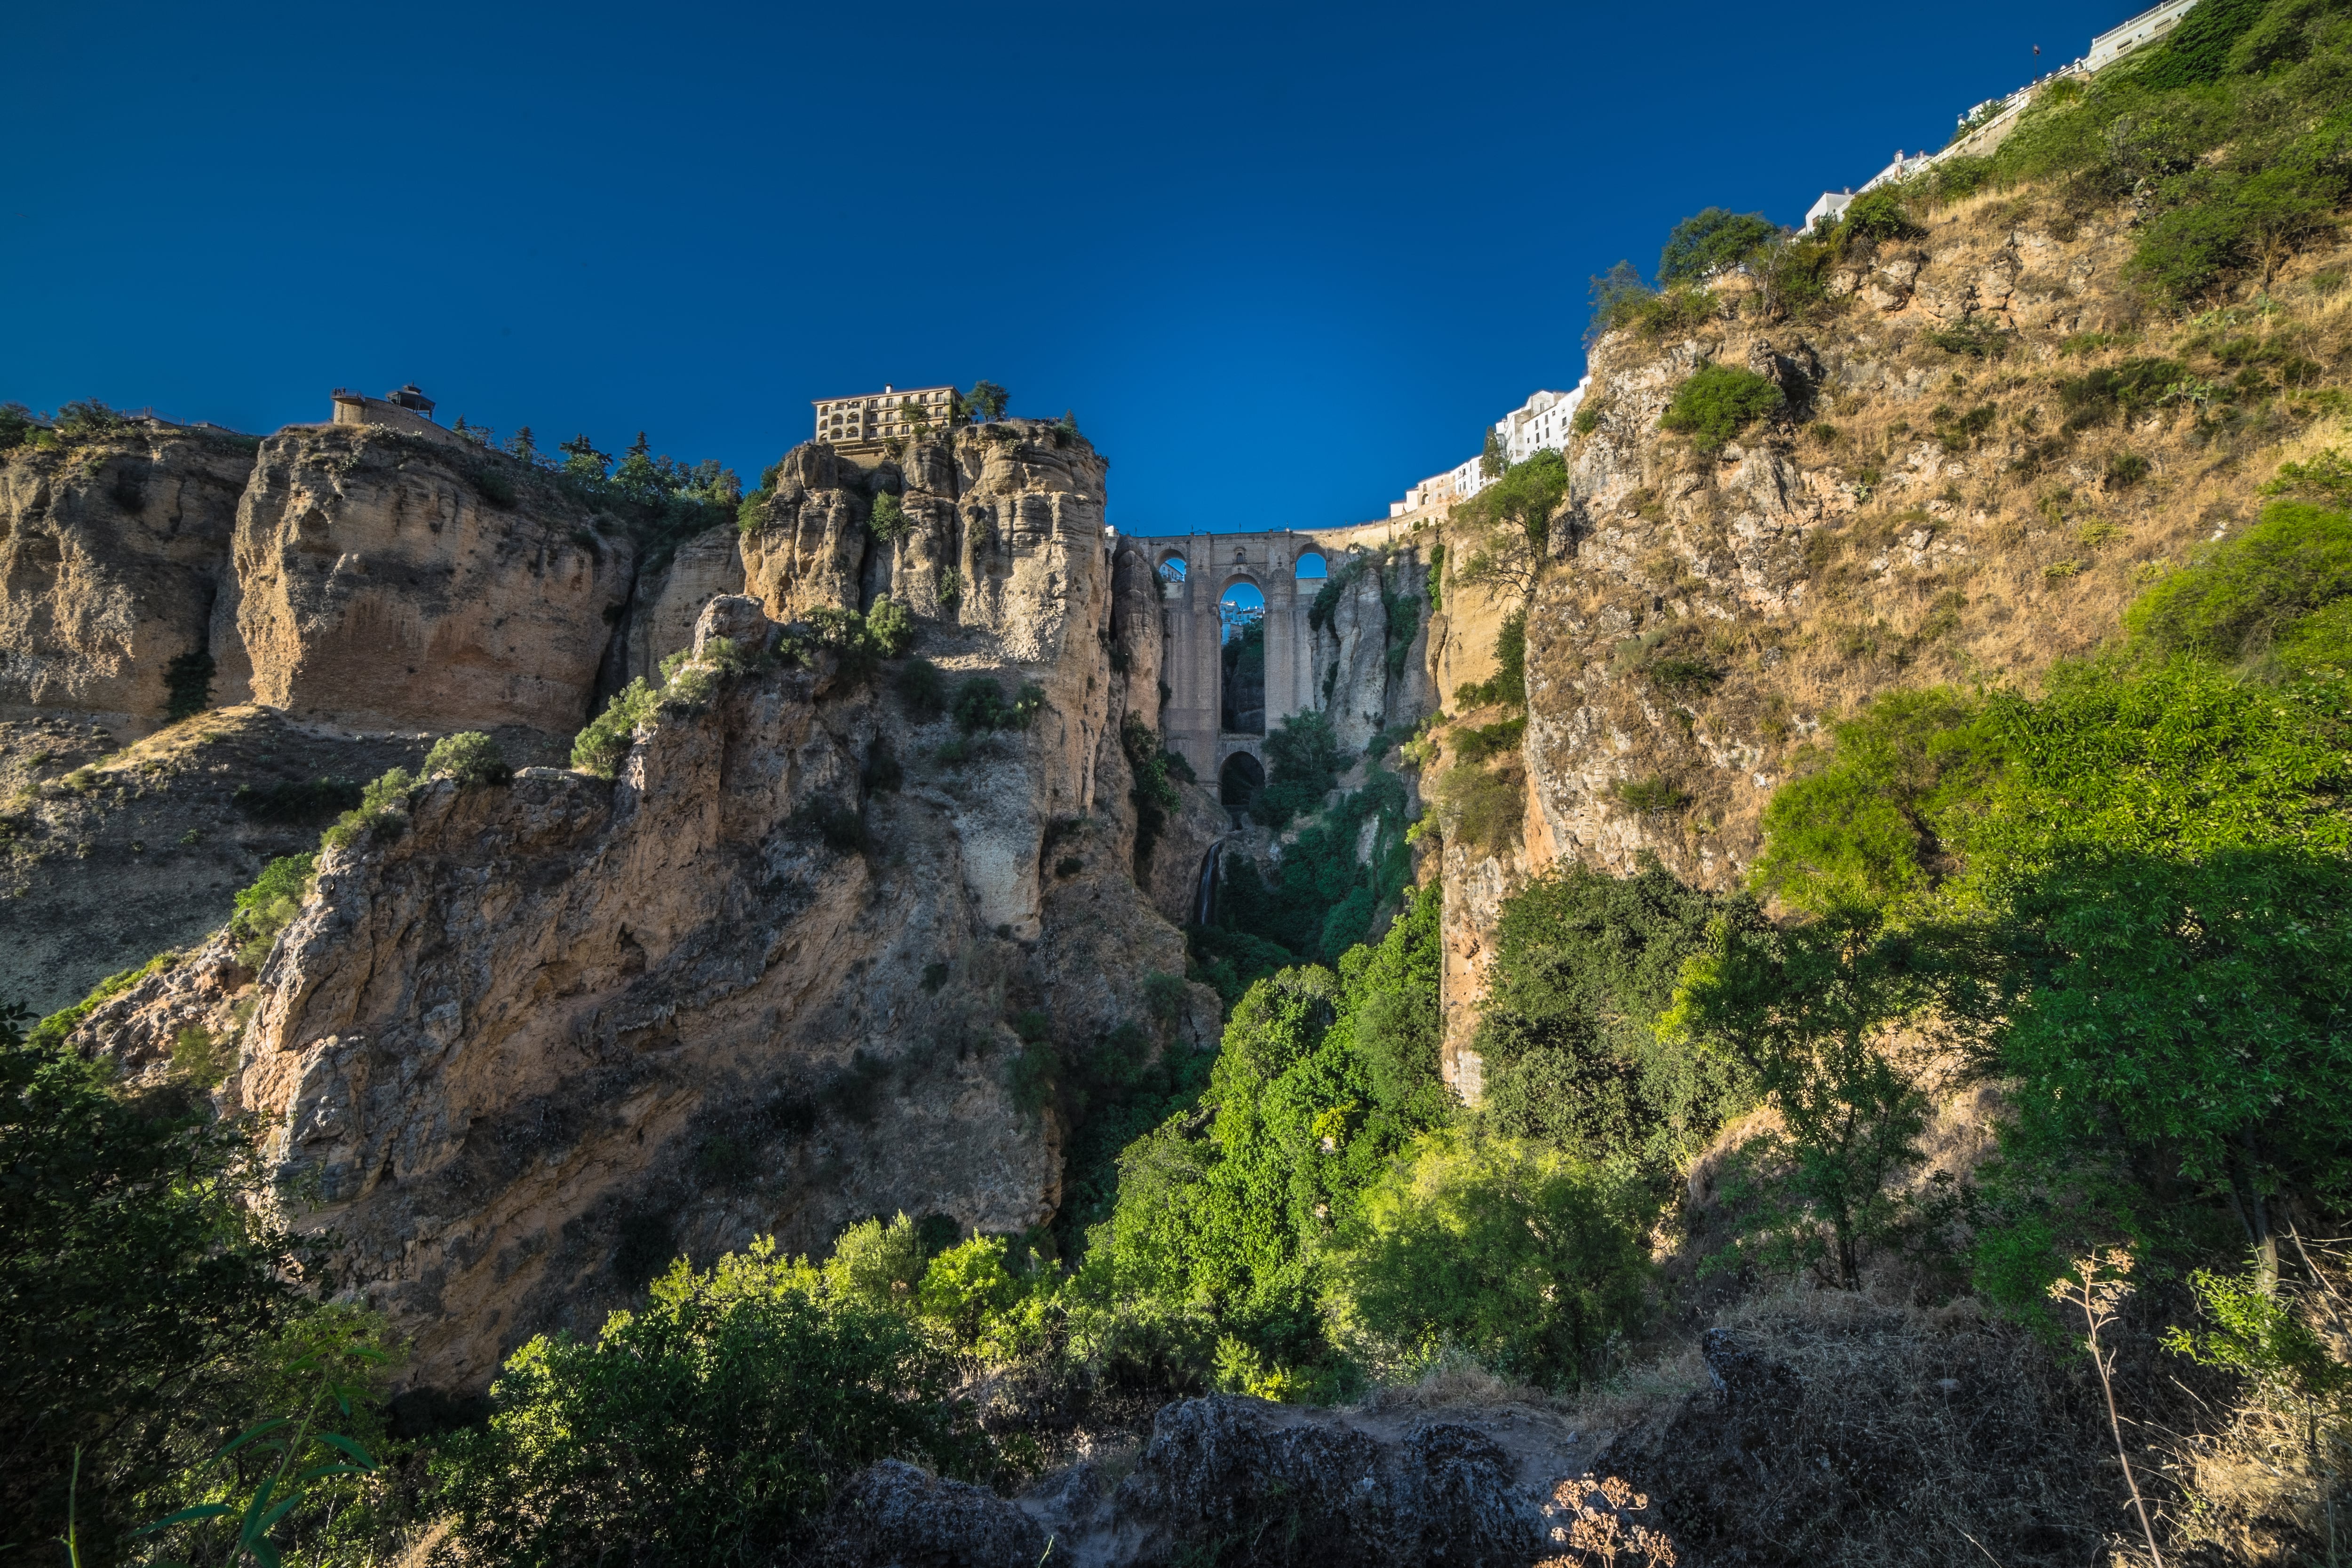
[(1934, 500), (527, 1042)]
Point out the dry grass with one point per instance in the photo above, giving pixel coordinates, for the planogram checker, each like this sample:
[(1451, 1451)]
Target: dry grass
[(1943, 551)]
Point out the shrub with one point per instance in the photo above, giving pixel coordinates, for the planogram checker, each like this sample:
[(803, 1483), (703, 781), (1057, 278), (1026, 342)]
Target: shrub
[(382, 812), (1971, 337), (889, 519), (1508, 684), (922, 689), (1583, 964), (2234, 602), (889, 630), (1653, 795), (17, 426), (1527, 1259), (302, 801), (1303, 765), (51, 1031), (270, 906), (713, 1424), (1711, 240), (1480, 807), (188, 684), (1477, 745), (1870, 823), (469, 757), (1616, 298), (141, 1282), (2132, 387), (601, 748), (496, 486), (88, 419), (980, 705), (1154, 794), (1717, 403), (1875, 215), (2326, 478)]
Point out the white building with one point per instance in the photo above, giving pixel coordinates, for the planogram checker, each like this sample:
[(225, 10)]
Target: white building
[(1543, 422), (1830, 206), (883, 415), (2140, 29)]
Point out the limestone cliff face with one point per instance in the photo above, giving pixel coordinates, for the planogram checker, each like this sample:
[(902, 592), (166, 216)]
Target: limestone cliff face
[(112, 552), (379, 586), (668, 596), (524, 1051), (1913, 515)]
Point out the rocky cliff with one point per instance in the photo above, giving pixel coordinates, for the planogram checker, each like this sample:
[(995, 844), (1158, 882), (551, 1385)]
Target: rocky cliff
[(113, 550), (526, 1043), (1945, 491)]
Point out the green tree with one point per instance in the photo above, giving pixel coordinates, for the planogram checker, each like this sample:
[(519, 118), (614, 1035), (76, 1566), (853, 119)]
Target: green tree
[(1508, 523), (1303, 765), (1712, 239), (471, 757), (1523, 1257), (1717, 403), (1584, 963), (1807, 1010), (137, 1281), (709, 1427), (985, 401)]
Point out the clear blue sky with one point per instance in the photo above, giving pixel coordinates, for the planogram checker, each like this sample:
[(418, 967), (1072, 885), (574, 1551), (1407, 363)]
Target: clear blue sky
[(1281, 260)]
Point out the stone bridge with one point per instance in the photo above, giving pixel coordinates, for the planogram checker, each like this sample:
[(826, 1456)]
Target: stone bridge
[(1192, 665)]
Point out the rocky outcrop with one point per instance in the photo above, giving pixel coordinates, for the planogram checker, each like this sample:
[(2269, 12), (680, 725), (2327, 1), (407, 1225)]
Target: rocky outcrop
[(669, 595), (1470, 1484), (109, 856), (528, 1042), (893, 1515), (386, 582), (112, 550)]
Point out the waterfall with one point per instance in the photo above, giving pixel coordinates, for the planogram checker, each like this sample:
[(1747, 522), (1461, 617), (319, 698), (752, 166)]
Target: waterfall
[(1205, 897)]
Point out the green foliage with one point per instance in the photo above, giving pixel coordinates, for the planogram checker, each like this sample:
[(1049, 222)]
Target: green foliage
[(1651, 794), (293, 1461), (1525, 1257), (382, 812), (1508, 684), (1717, 403), (712, 1425), (18, 425), (1154, 793), (985, 401), (1869, 824), (469, 757), (1303, 765), (2198, 50), (2129, 389), (1878, 215), (1509, 522), (1584, 965), (1711, 240), (2235, 603), (1617, 299), (887, 520), (270, 906), (2326, 479), (922, 689), (1479, 806), (1478, 744), (50, 1033), (1804, 1010), (137, 1279), (188, 684), (307, 801), (88, 419), (980, 705), (1972, 337), (889, 630), (2256, 1333), (2180, 1016), (603, 745), (1320, 1082)]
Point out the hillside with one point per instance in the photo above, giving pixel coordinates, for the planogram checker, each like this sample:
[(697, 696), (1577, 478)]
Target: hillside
[(676, 1023)]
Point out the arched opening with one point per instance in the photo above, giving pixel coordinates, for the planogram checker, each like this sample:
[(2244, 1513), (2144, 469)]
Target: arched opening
[(1171, 574), (1312, 566), (1241, 614), (1239, 784)]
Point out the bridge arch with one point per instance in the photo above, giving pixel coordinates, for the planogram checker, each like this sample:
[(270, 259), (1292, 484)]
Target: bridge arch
[(1193, 669)]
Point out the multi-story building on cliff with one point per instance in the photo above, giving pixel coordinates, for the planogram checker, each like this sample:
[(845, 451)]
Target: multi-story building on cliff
[(1541, 422), (406, 408), (883, 415)]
